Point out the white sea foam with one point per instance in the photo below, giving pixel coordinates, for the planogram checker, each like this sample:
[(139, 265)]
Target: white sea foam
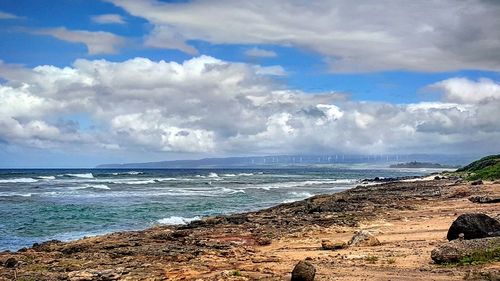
[(97, 186), (133, 173), (213, 175), (231, 191), (303, 194), (245, 174), (136, 181), (12, 194), (173, 220), (290, 184), (47, 177), (228, 175), (18, 180), (84, 175)]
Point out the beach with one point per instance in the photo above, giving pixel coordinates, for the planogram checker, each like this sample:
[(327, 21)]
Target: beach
[(409, 219)]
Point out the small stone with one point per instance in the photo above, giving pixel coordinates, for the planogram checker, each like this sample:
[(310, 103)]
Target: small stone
[(477, 182), (303, 271), (329, 245)]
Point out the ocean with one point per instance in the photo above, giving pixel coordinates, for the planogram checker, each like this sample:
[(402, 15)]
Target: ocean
[(44, 204)]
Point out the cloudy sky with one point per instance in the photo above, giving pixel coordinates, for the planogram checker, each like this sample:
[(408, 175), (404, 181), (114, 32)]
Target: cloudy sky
[(84, 82)]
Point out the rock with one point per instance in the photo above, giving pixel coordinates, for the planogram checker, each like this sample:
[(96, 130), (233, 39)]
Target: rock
[(264, 241), (437, 177), (363, 238), (477, 182), (457, 249), (303, 271), (10, 263), (329, 245), (90, 275), (81, 276), (484, 199), (474, 226)]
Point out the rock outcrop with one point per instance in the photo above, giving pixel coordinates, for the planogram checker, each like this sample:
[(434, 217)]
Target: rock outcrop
[(474, 226), (482, 199), (458, 249)]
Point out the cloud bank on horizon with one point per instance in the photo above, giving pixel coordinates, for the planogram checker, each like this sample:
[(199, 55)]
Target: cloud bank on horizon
[(194, 103)]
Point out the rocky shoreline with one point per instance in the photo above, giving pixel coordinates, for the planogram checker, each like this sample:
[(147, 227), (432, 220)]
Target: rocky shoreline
[(246, 246)]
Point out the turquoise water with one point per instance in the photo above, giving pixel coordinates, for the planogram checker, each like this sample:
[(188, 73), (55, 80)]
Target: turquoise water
[(39, 205)]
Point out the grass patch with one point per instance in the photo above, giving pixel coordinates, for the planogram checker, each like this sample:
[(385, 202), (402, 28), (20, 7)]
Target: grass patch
[(236, 273), (391, 261), (479, 257), (371, 259)]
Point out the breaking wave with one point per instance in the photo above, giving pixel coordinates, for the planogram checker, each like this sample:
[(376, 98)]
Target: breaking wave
[(174, 220)]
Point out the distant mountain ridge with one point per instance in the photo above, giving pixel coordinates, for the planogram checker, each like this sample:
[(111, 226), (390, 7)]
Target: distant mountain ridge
[(291, 160)]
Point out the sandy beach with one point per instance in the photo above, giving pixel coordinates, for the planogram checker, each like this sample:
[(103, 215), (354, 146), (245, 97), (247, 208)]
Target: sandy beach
[(409, 219)]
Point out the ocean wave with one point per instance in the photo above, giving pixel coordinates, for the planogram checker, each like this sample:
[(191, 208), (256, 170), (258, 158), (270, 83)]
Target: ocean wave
[(303, 194), (97, 186), (83, 175), (47, 177), (228, 175), (290, 184), (19, 180), (231, 191), (136, 182), (174, 220), (15, 194), (133, 173), (246, 174), (213, 175)]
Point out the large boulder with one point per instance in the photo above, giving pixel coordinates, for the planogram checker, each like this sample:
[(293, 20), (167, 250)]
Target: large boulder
[(303, 271), (456, 250), (474, 226), (363, 238)]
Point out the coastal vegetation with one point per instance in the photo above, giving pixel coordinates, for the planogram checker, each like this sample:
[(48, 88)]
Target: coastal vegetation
[(486, 168)]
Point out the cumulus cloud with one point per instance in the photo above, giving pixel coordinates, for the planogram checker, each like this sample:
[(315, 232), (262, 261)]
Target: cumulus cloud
[(97, 42), (260, 53), (108, 19), (463, 90), (352, 37), (206, 105)]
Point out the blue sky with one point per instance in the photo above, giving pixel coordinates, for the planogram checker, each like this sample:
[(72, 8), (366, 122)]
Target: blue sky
[(358, 54)]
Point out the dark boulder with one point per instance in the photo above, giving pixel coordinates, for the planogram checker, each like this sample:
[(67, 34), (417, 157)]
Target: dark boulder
[(10, 263), (474, 226), (484, 199), (477, 182), (303, 271)]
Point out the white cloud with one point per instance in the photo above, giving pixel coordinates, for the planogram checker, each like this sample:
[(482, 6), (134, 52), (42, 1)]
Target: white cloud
[(463, 90), (260, 53), (8, 16), (167, 38), (97, 42), (108, 19), (206, 105), (361, 36)]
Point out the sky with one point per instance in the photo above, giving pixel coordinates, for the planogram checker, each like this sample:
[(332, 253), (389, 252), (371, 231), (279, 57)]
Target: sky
[(85, 82)]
